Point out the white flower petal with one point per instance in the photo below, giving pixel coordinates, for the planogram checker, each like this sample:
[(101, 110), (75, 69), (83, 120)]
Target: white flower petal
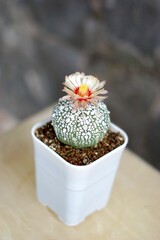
[(99, 92), (92, 81), (84, 80), (95, 87), (98, 86), (77, 78), (100, 97), (69, 85), (68, 91), (101, 85), (71, 82)]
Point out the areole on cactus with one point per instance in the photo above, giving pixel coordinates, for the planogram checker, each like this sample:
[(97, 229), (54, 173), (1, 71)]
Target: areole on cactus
[(81, 119)]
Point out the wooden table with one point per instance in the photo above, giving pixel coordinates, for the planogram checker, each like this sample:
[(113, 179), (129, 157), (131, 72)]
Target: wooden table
[(133, 211)]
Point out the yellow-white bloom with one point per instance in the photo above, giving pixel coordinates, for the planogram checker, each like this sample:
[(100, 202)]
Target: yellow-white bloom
[(83, 89)]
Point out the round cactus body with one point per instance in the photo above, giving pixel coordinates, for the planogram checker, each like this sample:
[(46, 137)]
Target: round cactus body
[(80, 127)]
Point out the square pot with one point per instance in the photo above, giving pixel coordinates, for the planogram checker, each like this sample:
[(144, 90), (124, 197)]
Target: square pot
[(74, 192)]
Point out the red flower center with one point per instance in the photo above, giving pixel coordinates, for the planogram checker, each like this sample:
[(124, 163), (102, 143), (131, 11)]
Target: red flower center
[(83, 91)]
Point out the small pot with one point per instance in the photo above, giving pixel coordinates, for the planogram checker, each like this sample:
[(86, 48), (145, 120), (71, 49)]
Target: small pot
[(74, 192)]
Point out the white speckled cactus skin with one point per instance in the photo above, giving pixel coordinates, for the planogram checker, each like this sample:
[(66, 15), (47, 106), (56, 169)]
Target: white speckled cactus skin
[(81, 127)]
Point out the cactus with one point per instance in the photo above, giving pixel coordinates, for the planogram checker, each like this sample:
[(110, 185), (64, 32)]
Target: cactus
[(81, 119)]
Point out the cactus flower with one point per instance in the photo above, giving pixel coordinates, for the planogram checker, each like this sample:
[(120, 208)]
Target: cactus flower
[(83, 89)]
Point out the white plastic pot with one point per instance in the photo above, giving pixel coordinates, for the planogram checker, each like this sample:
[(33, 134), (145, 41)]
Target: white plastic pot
[(74, 192)]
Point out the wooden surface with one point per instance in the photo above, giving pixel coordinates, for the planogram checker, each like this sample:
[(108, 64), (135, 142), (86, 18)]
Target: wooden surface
[(133, 211)]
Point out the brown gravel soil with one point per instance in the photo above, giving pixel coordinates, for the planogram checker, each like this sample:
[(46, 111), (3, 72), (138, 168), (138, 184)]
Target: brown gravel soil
[(75, 156)]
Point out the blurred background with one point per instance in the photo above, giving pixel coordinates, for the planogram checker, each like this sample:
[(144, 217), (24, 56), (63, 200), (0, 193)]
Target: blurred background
[(41, 41)]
